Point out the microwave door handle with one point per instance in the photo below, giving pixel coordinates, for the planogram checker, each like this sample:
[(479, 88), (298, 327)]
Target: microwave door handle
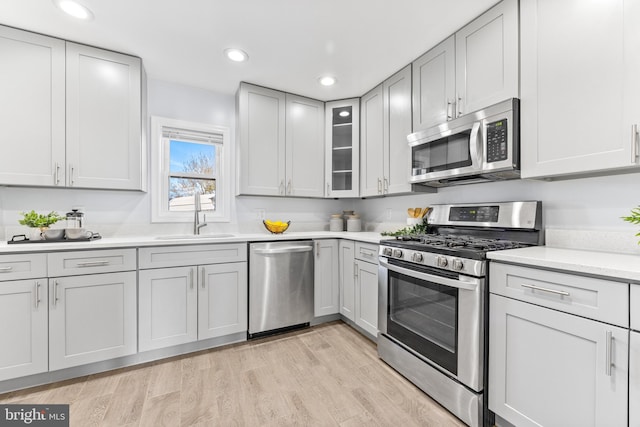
[(471, 284), (475, 146)]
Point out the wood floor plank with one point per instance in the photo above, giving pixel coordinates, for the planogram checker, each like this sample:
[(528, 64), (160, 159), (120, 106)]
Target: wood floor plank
[(328, 375)]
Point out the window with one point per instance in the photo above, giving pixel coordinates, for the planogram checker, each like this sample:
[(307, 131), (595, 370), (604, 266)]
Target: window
[(189, 160)]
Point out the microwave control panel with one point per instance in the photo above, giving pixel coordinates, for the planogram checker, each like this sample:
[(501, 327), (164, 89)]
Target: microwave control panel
[(497, 141)]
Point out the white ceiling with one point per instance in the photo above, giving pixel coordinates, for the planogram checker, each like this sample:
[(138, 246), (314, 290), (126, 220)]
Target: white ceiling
[(290, 42)]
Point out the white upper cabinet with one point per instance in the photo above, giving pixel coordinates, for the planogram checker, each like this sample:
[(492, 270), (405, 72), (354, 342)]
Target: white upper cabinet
[(487, 58), (31, 108), (70, 114), (474, 68), (281, 150), (372, 143), (104, 140), (342, 161), (434, 86), (304, 147), (579, 106), (396, 96), (261, 132)]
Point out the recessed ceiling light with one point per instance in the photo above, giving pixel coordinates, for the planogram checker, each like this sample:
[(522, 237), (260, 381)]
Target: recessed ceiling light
[(343, 113), (236, 55), (327, 81), (75, 9)]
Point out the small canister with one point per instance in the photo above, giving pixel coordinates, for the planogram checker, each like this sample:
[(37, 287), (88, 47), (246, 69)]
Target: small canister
[(354, 223), (336, 223)]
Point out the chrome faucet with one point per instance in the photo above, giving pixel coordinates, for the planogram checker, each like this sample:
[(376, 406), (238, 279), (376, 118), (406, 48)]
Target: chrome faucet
[(196, 218)]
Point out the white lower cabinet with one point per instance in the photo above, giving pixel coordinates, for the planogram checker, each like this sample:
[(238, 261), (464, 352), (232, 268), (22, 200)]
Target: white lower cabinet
[(634, 379), (23, 334), (326, 287), (548, 368), (366, 308), (168, 307), (347, 279), (91, 318)]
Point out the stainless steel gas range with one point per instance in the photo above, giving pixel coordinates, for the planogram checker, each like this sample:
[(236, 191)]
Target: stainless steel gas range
[(433, 299)]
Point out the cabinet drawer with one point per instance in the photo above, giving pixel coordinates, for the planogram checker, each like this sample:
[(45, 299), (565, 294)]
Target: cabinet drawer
[(176, 256), (366, 252), (597, 299), (635, 307), (91, 262), (23, 266)]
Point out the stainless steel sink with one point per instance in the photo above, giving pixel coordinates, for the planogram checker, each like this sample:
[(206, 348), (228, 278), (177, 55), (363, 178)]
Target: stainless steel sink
[(194, 236)]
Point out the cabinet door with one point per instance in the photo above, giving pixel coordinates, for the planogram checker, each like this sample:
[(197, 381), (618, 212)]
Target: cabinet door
[(434, 87), (372, 143), (347, 279), (222, 300), (397, 125), (167, 308), (367, 297), (487, 58), (546, 367), (569, 124), (23, 316), (91, 318), (31, 108), (342, 153), (326, 278), (634, 379), (304, 147), (104, 127), (261, 127)]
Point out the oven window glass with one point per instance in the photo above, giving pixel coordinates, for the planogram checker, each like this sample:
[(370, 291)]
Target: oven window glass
[(423, 316), (446, 153)]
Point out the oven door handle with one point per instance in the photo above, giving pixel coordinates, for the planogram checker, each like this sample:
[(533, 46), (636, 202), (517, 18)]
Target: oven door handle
[(468, 283)]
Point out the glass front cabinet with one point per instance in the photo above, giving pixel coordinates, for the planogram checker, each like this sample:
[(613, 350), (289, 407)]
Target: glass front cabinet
[(343, 148)]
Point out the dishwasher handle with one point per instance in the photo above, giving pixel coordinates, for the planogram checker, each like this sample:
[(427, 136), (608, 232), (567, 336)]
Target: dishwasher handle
[(284, 250)]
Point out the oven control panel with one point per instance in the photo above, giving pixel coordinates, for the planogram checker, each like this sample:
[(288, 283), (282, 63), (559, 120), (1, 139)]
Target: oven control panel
[(444, 262)]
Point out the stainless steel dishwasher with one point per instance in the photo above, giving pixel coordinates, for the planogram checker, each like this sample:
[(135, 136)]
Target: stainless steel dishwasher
[(280, 286)]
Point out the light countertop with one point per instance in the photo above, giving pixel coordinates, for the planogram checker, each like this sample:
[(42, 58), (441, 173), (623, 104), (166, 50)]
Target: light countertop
[(606, 264), (142, 241)]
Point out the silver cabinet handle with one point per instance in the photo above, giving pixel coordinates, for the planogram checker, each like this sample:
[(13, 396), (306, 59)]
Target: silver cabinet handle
[(634, 144), (289, 187), (37, 294), (608, 356), (368, 255), (57, 173), (191, 278), (449, 109), (318, 249), (55, 293), (202, 278), (379, 186), (6, 269), (385, 186), (283, 250), (71, 180), (328, 189), (459, 106), (92, 263), (355, 270), (552, 291), (281, 187)]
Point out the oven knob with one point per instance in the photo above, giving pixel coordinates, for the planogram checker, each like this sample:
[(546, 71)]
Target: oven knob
[(417, 257), (457, 264), (397, 253), (442, 261), (387, 251)]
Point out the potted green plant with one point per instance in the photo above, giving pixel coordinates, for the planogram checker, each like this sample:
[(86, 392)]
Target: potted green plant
[(634, 218), (39, 223)]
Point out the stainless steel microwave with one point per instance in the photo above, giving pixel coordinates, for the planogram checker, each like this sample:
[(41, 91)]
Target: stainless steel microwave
[(479, 146)]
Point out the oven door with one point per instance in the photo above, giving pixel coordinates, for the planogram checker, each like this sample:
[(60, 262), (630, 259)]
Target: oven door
[(436, 315)]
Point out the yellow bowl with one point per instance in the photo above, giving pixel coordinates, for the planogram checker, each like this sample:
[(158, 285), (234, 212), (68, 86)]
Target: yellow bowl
[(276, 227)]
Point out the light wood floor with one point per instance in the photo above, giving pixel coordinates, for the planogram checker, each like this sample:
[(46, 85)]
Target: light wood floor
[(328, 375)]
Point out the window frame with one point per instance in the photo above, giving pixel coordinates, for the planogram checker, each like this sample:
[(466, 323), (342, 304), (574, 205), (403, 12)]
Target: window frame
[(160, 172)]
